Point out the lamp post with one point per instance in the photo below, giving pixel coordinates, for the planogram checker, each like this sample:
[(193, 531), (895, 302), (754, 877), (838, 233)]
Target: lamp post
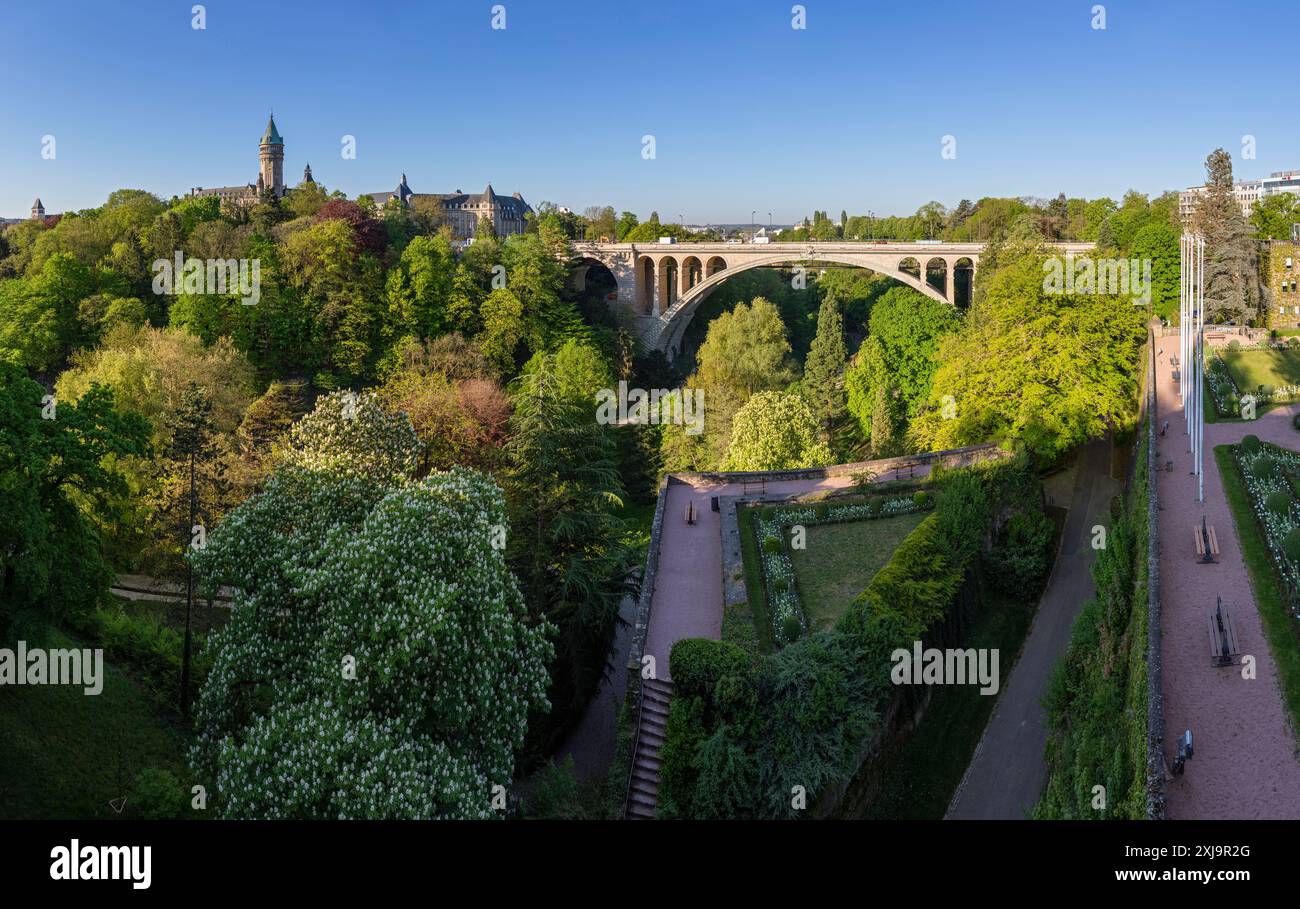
[(751, 224)]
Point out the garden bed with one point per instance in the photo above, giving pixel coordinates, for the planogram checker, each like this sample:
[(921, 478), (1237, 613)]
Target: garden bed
[(1267, 566), (771, 530)]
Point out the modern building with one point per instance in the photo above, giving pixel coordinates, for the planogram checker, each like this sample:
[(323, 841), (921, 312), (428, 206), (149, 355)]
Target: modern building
[(1246, 192), (508, 214), (270, 173)]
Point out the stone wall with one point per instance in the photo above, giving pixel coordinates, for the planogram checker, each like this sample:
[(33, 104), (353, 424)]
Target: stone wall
[(1155, 689)]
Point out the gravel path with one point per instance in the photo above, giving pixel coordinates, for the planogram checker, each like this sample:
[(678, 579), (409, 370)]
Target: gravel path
[(1245, 763)]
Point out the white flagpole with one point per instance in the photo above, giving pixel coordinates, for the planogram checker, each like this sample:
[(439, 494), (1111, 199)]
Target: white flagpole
[(1200, 360)]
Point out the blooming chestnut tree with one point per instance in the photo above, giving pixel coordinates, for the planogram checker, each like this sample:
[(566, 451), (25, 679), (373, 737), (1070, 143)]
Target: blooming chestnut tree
[(379, 661), (775, 430)]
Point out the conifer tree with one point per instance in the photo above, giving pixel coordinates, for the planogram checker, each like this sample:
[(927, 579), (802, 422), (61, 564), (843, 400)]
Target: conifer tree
[(823, 380)]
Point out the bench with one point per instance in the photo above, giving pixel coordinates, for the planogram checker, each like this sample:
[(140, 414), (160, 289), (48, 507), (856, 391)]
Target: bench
[(911, 469), (690, 512), (1207, 542), (748, 483), (1223, 635)]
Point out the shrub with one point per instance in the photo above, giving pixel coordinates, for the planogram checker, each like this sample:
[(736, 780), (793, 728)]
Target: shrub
[(1023, 554), (791, 628), (1251, 444), (1278, 502), (696, 665), (158, 796), (1295, 421), (1261, 468), (772, 544), (921, 499), (1234, 345), (781, 585), (821, 511), (1291, 544)]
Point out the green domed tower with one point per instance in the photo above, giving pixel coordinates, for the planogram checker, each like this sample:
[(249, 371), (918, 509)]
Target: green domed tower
[(270, 156)]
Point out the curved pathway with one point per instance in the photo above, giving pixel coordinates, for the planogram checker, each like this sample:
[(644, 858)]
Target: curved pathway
[(1006, 776), (1245, 763)]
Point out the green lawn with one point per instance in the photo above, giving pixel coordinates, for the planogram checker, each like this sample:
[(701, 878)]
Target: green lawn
[(65, 754), (1253, 368), (841, 559), (732, 630), (1280, 627)]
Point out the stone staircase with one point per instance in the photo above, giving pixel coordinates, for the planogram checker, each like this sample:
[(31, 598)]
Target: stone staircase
[(643, 789)]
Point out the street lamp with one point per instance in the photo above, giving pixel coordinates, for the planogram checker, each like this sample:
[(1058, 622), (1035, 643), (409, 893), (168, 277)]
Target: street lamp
[(751, 224)]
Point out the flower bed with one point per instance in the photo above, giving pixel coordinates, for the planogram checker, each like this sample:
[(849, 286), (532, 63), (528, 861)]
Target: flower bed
[(774, 557), (1274, 525)]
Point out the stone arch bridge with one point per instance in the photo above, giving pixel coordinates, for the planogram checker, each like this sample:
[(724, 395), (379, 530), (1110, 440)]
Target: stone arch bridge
[(662, 284)]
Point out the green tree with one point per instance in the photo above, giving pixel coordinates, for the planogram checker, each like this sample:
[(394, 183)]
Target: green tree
[(1048, 370), (1273, 216), (564, 489), (823, 378), (775, 431), (393, 671), (1231, 256), (58, 481)]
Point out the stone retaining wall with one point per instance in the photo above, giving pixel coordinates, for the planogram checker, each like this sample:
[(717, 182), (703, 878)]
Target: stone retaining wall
[(1155, 690)]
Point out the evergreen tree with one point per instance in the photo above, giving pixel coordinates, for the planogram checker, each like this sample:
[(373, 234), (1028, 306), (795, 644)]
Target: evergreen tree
[(1231, 254), (823, 378)]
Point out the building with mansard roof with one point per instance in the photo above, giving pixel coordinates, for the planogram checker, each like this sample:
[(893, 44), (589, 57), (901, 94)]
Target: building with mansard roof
[(463, 210)]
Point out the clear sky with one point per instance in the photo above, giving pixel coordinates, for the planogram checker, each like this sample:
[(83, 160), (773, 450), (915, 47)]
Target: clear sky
[(747, 112)]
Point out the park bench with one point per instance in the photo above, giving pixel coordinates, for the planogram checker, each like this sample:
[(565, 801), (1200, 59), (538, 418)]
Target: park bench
[(1223, 635), (1207, 542), (690, 512), (747, 484), (909, 465)]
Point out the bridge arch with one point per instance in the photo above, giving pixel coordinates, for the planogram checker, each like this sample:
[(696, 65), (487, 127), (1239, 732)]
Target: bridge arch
[(678, 315)]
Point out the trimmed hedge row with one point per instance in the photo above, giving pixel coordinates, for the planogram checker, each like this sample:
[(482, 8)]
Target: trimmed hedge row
[(1096, 700), (744, 731)]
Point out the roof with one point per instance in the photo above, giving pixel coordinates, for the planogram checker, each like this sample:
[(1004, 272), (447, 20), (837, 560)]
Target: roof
[(272, 135)]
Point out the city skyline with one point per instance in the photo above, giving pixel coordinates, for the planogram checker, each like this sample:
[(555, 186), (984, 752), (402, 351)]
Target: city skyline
[(483, 107)]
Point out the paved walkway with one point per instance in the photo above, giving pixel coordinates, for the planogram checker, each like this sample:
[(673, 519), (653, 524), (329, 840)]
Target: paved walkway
[(1245, 763), (688, 595), (1006, 776)]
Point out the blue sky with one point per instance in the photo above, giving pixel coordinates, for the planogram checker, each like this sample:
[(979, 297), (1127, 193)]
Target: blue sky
[(747, 113)]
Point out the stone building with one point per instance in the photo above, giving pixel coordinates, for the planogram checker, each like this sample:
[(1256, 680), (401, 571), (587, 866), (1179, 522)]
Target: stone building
[(38, 210), (1282, 275), (270, 172), (463, 210)]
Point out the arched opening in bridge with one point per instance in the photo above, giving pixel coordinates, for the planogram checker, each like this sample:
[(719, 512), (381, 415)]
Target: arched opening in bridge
[(714, 265), (963, 276), (692, 273), (911, 267), (666, 283), (593, 281), (645, 285), (936, 275)]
